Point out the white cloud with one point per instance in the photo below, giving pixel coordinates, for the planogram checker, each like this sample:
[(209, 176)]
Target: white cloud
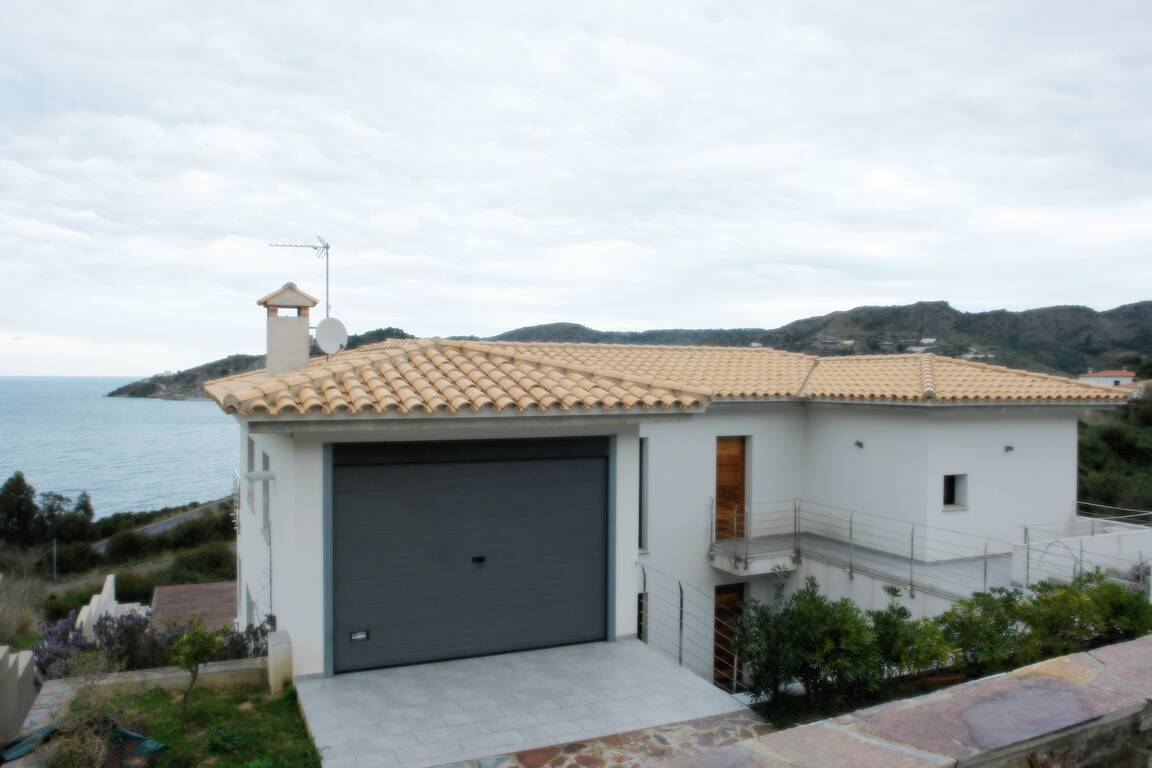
[(481, 167)]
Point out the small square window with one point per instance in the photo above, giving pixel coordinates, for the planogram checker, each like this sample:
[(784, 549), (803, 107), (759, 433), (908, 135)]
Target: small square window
[(955, 490)]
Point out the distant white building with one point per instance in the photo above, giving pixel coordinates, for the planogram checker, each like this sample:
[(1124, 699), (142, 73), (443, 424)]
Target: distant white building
[(1110, 378)]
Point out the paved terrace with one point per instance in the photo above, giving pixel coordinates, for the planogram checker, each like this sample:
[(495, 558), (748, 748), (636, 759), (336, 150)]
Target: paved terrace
[(957, 578), (1087, 709), (454, 711)]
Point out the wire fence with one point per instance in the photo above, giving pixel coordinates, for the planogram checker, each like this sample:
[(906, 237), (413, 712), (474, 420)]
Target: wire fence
[(681, 621)]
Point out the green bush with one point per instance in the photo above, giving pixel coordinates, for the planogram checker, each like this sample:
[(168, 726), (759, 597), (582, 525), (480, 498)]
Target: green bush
[(136, 587), (214, 561), (985, 629), (57, 607), (1058, 619), (76, 557), (128, 545), (826, 645)]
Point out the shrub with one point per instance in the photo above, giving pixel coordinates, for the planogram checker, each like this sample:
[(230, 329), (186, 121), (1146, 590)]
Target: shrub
[(129, 643), (210, 562), (894, 629), (74, 557), (20, 601), (826, 645), (757, 641), (985, 629), (57, 607), (1124, 614), (1059, 619), (85, 736), (61, 642), (195, 648), (136, 587), (127, 545), (248, 643)]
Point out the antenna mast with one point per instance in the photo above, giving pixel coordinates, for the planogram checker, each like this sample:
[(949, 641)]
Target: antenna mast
[(321, 253)]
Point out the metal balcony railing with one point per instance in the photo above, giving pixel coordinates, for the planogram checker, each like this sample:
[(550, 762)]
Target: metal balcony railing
[(951, 563)]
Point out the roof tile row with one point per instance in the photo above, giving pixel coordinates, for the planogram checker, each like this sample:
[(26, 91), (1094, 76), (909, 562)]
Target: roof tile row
[(440, 376)]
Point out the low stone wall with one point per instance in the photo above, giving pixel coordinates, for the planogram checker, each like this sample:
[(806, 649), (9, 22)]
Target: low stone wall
[(56, 695), (101, 604), (1088, 709), (17, 689)]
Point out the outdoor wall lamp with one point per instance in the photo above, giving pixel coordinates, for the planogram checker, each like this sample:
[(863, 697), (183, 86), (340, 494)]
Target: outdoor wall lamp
[(1009, 448), (859, 443)]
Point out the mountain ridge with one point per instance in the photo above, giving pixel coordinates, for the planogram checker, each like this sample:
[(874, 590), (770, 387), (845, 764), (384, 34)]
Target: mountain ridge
[(1064, 339)]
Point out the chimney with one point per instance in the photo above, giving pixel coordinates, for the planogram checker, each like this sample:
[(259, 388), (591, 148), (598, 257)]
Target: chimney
[(288, 341)]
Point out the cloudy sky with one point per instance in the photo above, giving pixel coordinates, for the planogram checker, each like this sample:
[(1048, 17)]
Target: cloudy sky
[(479, 166)]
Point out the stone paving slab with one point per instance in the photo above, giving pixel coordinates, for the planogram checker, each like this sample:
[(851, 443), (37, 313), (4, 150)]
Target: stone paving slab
[(635, 749), (454, 711), (1093, 706)]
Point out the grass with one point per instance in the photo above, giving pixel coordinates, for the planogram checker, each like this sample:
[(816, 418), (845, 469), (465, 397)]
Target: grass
[(233, 728), (20, 615), (25, 642)]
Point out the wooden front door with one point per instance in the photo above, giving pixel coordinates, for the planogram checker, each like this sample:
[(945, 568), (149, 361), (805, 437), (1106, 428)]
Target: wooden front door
[(729, 603), (730, 511)]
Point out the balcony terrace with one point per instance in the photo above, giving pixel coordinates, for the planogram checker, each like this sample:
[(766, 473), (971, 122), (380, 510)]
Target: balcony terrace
[(759, 538)]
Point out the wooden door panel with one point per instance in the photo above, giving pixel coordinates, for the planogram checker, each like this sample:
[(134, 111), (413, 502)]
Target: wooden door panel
[(729, 604), (730, 487)]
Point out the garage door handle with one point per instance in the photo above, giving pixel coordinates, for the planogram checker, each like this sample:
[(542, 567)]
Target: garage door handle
[(479, 559)]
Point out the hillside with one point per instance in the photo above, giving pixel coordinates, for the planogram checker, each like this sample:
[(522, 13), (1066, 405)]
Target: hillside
[(1064, 340), (189, 383)]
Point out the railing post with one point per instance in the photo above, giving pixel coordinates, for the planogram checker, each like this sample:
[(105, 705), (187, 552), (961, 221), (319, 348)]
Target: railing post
[(851, 572), (1027, 558), (1079, 570), (985, 565), (912, 563), (795, 531), (680, 645), (643, 631)]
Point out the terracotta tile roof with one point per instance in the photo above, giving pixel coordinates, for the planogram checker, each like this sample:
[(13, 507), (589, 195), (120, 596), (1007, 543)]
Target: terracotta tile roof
[(923, 377), (441, 376), (430, 376), (756, 372), (1109, 374)]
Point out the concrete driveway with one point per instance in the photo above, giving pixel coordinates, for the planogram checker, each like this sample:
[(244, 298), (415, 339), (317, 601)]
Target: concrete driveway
[(434, 714)]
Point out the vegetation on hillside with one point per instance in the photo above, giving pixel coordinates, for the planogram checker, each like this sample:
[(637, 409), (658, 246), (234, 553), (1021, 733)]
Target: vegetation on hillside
[(843, 656), (189, 383), (1066, 340), (1116, 458)]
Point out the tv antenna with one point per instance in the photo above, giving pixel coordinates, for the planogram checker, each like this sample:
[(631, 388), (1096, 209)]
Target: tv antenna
[(321, 253), (331, 335)]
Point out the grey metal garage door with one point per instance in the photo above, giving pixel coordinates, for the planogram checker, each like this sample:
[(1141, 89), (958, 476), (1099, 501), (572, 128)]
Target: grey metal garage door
[(447, 550)]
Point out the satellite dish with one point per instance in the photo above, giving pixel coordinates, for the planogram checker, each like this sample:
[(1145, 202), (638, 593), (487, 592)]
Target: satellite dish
[(331, 336)]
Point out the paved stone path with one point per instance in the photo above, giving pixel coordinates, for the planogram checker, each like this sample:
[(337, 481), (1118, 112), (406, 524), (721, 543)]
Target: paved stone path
[(1085, 709), (635, 749)]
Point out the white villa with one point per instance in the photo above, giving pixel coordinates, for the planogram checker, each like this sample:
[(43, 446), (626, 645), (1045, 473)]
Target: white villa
[(413, 501)]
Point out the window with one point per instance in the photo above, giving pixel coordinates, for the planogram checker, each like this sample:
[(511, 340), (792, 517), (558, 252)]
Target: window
[(251, 467), (643, 533), (955, 490), (265, 500)]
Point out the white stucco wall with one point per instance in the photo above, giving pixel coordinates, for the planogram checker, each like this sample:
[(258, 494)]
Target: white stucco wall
[(298, 522), (794, 450)]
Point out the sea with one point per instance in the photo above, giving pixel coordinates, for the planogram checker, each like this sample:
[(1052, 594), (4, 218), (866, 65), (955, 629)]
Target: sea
[(130, 454)]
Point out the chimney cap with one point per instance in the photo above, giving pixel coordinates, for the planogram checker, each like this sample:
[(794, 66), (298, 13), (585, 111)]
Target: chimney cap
[(288, 295)]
